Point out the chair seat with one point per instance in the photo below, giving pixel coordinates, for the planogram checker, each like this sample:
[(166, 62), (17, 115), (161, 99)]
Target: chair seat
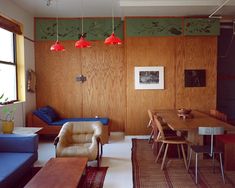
[(172, 140), (81, 149), (204, 149)]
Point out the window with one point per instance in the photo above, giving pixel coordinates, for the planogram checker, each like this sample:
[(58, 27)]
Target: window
[(8, 66)]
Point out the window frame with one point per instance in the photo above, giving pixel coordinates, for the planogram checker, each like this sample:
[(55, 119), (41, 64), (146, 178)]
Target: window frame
[(14, 63)]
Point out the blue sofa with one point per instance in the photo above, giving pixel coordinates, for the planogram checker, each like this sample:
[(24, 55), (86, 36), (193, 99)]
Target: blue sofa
[(50, 122), (17, 155)]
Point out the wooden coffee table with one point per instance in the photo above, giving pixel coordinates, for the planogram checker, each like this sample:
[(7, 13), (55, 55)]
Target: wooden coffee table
[(59, 173)]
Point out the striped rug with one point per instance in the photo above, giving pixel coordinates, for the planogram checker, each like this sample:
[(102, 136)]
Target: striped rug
[(147, 173)]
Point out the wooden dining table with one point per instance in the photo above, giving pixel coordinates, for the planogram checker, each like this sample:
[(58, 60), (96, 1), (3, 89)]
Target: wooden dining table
[(190, 125)]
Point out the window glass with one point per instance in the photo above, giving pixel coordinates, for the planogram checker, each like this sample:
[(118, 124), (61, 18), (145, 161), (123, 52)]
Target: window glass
[(6, 46), (8, 81)]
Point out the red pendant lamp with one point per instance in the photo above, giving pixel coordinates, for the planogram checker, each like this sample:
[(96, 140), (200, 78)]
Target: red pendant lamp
[(112, 39), (82, 42), (57, 46)]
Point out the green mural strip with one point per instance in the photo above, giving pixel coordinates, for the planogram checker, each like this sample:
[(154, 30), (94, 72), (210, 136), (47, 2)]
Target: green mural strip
[(153, 26), (70, 29), (101, 28), (201, 26)]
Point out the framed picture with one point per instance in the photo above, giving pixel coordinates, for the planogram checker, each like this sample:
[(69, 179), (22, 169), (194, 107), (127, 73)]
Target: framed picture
[(195, 78), (149, 77)]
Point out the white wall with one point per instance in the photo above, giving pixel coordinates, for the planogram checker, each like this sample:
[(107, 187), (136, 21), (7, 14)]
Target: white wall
[(9, 9)]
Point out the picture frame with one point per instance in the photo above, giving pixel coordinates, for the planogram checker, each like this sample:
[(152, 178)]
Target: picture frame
[(150, 77), (195, 78)]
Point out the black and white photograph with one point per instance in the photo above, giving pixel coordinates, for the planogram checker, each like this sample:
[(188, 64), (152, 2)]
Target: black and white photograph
[(149, 77)]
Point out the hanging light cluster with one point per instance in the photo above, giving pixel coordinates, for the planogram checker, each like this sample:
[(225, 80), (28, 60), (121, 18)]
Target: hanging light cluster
[(57, 46), (82, 42), (112, 39)]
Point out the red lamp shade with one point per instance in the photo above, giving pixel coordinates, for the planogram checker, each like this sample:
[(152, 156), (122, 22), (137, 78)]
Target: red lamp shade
[(112, 39), (82, 43), (57, 47)]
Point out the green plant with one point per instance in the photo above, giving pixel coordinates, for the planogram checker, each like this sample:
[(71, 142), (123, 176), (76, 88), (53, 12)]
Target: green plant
[(7, 112)]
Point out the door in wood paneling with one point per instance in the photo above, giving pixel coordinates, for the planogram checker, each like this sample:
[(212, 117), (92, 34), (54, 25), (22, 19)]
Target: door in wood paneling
[(104, 92), (56, 78)]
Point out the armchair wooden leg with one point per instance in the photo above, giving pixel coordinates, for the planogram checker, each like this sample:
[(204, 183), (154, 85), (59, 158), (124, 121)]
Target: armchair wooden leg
[(101, 150)]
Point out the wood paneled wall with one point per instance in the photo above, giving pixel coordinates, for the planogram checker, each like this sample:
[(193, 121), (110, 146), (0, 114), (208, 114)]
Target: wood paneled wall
[(104, 92), (176, 54), (109, 89)]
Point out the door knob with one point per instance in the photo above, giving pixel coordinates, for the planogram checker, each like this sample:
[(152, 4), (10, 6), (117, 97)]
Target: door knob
[(81, 78)]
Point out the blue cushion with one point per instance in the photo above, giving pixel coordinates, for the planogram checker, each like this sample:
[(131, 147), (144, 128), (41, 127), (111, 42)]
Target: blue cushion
[(104, 121), (18, 143), (47, 114), (14, 166)]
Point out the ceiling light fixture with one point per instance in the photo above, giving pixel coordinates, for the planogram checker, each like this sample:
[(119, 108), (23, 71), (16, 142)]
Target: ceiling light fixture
[(57, 46), (82, 42), (112, 39)]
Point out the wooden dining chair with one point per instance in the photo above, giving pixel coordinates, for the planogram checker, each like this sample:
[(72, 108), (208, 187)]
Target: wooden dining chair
[(219, 115), (151, 124), (207, 149), (168, 140)]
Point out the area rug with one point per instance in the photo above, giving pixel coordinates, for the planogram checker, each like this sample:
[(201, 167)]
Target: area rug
[(94, 177), (148, 174)]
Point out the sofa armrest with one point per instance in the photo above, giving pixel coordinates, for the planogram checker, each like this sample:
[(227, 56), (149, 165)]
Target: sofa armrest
[(18, 143)]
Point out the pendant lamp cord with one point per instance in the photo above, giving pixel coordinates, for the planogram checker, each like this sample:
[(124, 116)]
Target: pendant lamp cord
[(112, 16), (57, 22), (82, 16)]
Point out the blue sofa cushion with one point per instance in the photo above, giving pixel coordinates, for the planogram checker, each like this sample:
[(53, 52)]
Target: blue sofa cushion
[(104, 121), (18, 143), (47, 114), (13, 166)]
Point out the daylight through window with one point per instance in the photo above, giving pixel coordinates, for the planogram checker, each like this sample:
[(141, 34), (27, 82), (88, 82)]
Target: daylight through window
[(8, 83)]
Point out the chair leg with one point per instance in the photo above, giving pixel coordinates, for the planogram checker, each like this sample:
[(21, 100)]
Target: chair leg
[(213, 162), (164, 157), (189, 160), (151, 136), (184, 157), (159, 153), (196, 164), (221, 166), (101, 150)]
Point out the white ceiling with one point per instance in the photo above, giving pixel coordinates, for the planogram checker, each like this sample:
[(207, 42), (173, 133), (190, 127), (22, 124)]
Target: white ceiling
[(103, 8)]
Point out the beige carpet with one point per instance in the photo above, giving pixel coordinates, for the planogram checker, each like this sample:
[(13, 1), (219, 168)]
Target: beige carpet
[(147, 173)]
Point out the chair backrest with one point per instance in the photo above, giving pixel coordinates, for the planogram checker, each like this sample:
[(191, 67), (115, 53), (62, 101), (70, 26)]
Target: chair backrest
[(80, 132), (211, 131), (219, 115), (158, 122)]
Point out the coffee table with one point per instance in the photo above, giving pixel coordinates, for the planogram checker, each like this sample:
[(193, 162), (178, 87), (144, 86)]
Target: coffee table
[(59, 173)]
